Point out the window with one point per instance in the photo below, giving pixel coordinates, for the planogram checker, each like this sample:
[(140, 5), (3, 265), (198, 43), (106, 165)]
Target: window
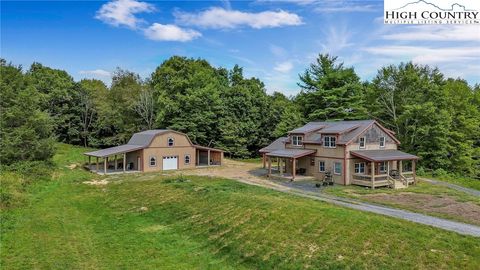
[(321, 166), (382, 166), (360, 167), (297, 140), (382, 141), (329, 141), (337, 168), (153, 161), (187, 159), (170, 141), (362, 142)]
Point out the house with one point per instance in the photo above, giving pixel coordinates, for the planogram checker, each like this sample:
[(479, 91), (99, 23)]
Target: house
[(352, 152), (154, 150)]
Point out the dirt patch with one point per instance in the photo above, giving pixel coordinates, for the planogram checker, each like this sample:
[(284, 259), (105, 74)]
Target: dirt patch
[(428, 203), (96, 182), (72, 166)]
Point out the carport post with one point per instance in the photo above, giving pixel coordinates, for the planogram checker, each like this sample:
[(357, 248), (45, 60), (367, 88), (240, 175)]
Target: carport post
[(97, 165), (124, 160), (105, 160), (269, 166)]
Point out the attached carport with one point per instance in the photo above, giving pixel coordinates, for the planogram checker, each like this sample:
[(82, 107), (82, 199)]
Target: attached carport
[(115, 159), (287, 154), (206, 156)]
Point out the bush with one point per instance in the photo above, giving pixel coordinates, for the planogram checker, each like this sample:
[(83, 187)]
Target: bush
[(439, 172), (421, 171)]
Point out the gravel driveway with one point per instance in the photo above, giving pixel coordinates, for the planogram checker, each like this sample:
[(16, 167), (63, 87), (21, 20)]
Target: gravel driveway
[(251, 173)]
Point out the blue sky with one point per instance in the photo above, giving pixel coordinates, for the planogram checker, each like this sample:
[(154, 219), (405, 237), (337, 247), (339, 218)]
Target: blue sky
[(274, 41)]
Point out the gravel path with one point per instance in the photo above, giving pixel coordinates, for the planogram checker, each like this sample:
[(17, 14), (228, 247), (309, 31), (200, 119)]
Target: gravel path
[(470, 191), (252, 175)]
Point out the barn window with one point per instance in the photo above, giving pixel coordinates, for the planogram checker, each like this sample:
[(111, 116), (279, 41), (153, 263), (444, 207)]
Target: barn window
[(170, 141), (153, 161), (187, 159)]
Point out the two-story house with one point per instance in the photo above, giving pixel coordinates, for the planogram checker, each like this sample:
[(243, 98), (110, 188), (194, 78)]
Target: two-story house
[(359, 152)]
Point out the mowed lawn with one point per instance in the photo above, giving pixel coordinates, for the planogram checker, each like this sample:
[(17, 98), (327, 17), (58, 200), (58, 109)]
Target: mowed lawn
[(156, 222)]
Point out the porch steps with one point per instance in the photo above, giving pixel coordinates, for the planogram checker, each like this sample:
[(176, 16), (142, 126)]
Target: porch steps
[(399, 185)]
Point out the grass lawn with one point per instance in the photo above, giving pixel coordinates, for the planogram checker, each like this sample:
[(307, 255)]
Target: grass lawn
[(251, 160), (148, 221), (459, 180), (435, 200)]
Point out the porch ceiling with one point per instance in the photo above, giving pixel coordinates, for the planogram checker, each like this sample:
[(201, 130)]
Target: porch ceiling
[(291, 153), (383, 155)]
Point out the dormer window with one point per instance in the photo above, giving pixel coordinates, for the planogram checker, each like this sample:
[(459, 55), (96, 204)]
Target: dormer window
[(362, 142), (297, 140), (170, 142), (330, 141), (382, 141)]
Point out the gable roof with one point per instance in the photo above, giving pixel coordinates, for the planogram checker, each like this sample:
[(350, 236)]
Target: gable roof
[(346, 131), (144, 138), (383, 155), (278, 144)]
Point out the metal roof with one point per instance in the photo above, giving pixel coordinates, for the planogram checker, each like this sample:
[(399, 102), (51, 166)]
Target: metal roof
[(383, 155), (278, 144), (291, 153), (339, 128), (308, 127), (115, 150), (207, 148), (145, 137)]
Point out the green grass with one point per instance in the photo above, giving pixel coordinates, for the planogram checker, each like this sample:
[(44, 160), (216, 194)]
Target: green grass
[(459, 180), (251, 160), (421, 188), (152, 222)]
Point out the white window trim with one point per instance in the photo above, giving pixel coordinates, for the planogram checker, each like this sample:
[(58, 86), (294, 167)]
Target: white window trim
[(364, 167), (320, 162), (189, 159), (383, 141), (330, 142), (384, 167), (297, 137), (168, 142), (150, 161), (364, 143), (340, 173)]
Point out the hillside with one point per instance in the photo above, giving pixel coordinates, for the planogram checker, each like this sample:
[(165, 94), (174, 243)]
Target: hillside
[(152, 221)]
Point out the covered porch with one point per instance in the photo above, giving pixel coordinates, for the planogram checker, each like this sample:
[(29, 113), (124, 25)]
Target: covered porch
[(287, 163), (380, 168), (118, 159)]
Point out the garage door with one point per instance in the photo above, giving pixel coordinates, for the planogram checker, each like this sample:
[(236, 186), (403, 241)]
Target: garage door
[(170, 163)]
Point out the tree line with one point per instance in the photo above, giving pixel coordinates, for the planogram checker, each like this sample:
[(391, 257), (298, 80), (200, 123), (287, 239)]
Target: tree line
[(434, 117)]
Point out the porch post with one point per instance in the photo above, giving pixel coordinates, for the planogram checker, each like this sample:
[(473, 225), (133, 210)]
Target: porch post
[(281, 166), (373, 174), (124, 161), (269, 166), (105, 160), (414, 170), (264, 160), (115, 162), (97, 164), (208, 156), (293, 169)]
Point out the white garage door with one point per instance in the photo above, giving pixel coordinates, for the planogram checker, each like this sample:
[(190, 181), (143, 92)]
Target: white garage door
[(170, 163)]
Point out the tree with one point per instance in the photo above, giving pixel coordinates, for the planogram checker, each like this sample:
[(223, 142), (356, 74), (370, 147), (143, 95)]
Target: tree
[(145, 106), (25, 130), (330, 91)]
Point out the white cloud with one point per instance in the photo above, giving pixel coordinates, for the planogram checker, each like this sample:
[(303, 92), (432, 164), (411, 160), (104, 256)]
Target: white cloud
[(346, 8), (428, 55), (122, 12), (96, 73), (336, 38), (219, 18), (170, 32), (284, 67), (437, 33), (278, 51)]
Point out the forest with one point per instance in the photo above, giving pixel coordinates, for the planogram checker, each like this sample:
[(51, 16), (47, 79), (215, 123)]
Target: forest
[(434, 117)]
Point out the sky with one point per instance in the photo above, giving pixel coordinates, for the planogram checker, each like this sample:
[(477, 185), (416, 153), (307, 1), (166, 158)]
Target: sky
[(274, 41)]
